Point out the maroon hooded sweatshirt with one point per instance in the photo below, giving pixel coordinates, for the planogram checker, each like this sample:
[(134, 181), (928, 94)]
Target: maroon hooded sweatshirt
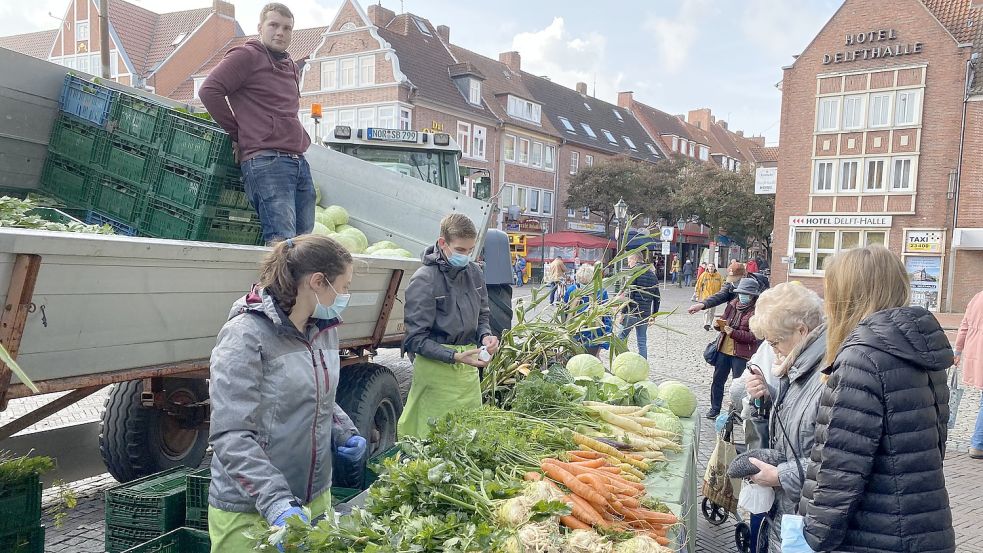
[(264, 95)]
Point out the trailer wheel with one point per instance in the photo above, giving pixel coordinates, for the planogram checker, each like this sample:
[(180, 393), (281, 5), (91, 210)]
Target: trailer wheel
[(500, 303), (369, 394), (137, 441)]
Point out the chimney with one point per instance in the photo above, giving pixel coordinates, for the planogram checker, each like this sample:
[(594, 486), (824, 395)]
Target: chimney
[(625, 99), (759, 140), (582, 88), (224, 8), (722, 123), (512, 59), (699, 118), (739, 133), (444, 32), (379, 16)]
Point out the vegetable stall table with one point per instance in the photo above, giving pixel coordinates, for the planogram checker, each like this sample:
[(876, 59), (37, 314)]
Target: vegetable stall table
[(676, 485)]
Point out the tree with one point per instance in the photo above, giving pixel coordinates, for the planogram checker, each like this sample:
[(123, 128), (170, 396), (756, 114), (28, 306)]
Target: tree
[(599, 187)]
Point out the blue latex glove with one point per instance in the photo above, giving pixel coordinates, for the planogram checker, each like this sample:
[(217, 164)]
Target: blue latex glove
[(721, 422), (281, 520), (353, 450)]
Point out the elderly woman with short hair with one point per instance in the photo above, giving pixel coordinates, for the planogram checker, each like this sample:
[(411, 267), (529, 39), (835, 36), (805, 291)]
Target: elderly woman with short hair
[(790, 318)]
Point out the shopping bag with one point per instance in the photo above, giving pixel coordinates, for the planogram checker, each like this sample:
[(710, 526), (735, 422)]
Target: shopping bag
[(717, 487), (955, 396)]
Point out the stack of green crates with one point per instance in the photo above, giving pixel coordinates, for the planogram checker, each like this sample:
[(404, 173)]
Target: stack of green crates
[(196, 512), (144, 509), (20, 516), (182, 540), (145, 168)]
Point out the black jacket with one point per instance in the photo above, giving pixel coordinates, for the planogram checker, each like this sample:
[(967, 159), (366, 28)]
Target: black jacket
[(645, 296), (726, 293), (875, 483)]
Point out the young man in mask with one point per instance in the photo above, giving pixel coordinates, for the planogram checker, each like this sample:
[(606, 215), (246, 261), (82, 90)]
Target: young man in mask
[(447, 318), (254, 94)]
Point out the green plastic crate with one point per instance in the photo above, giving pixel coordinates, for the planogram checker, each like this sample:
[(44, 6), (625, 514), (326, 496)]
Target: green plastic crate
[(196, 513), (197, 143), (232, 195), (158, 518), (164, 219), (118, 199), (182, 540), (67, 181), (188, 188), (154, 502), (235, 227), (138, 120), (119, 538), (131, 162), (341, 495), (30, 540), (76, 141), (20, 505)]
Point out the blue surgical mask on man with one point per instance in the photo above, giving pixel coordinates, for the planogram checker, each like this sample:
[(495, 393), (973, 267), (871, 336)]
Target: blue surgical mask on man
[(459, 260), (333, 311), (744, 298)]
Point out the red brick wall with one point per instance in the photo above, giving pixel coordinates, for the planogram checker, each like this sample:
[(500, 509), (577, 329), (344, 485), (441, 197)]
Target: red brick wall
[(969, 263), (198, 48), (941, 110), (565, 178)]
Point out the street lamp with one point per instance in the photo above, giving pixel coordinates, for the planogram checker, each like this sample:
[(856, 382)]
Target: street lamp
[(620, 215), (681, 225)]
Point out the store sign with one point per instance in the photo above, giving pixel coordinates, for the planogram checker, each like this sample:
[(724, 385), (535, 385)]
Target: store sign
[(765, 180), (925, 275), (923, 241), (870, 46), (586, 227), (840, 221)]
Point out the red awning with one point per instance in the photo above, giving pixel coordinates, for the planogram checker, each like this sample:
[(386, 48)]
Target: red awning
[(571, 239)]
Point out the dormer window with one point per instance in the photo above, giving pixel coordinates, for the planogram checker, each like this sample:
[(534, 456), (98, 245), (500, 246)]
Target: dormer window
[(618, 115), (474, 91), (422, 26), (524, 109), (178, 39)]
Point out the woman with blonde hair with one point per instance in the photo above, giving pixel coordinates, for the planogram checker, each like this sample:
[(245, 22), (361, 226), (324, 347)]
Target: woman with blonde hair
[(589, 338), (875, 482), (709, 283), (790, 318)]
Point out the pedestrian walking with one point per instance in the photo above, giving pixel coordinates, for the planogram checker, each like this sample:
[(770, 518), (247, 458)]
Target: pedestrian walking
[(520, 270), (446, 316), (688, 273), (708, 284), (590, 339), (752, 265), (736, 343), (276, 431), (969, 358), (644, 301), (675, 270), (790, 319), (875, 480), (555, 274), (254, 94), (701, 269)]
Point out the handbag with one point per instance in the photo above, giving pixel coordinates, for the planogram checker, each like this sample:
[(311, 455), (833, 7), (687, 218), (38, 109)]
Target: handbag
[(955, 396), (711, 352)]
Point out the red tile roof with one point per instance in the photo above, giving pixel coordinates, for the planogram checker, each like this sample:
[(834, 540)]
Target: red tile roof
[(958, 16), (768, 154), (134, 26), (168, 27), (37, 45), (665, 124)]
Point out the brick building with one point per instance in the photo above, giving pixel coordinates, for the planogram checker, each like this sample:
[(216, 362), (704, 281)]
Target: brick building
[(147, 50), (871, 119)]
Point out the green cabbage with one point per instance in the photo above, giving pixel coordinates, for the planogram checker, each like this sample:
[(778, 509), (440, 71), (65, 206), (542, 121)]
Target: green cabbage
[(678, 397), (585, 365), (666, 422), (613, 387), (347, 241), (651, 389), (343, 228), (337, 216), (630, 367), (358, 235), (319, 228), (382, 245)]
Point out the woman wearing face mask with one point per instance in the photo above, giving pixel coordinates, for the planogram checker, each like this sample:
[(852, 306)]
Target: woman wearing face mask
[(736, 343), (708, 284), (275, 427), (790, 318), (446, 316)]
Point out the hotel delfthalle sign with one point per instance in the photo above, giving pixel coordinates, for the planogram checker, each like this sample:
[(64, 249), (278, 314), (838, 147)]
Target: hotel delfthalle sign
[(839, 221), (873, 45)]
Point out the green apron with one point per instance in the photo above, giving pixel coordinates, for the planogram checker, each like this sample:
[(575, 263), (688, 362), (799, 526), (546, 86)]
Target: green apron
[(438, 388), (225, 528)]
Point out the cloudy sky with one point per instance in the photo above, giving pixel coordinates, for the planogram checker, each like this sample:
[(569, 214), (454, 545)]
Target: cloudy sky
[(675, 55)]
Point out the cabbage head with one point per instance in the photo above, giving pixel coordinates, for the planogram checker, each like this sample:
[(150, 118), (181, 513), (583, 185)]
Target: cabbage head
[(678, 397), (359, 237), (347, 241), (337, 215), (630, 367), (321, 229), (585, 365)]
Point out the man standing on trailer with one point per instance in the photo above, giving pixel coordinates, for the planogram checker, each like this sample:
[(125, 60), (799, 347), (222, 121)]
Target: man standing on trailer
[(254, 94)]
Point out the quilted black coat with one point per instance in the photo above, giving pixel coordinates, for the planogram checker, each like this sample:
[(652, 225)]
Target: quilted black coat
[(875, 481)]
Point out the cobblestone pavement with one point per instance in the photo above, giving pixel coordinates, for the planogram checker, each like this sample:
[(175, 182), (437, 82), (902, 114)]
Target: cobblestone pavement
[(672, 356)]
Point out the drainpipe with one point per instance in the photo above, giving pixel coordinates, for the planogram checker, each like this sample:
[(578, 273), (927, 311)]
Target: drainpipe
[(951, 265)]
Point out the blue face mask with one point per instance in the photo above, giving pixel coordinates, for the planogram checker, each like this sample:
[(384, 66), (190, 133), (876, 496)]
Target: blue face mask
[(333, 311), (744, 298)]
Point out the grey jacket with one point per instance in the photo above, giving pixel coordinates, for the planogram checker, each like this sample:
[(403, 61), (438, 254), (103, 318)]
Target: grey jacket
[(796, 404), (445, 306), (274, 421)]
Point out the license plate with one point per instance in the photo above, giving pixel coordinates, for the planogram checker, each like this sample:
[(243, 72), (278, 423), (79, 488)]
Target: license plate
[(392, 135)]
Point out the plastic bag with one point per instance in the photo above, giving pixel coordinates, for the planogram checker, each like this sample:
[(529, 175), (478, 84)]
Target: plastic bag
[(756, 499), (793, 535)]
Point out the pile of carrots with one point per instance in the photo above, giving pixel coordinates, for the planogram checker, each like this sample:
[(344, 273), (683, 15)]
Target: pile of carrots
[(602, 496)]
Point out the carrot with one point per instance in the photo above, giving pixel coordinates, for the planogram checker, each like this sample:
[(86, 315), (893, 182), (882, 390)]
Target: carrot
[(635, 456), (577, 459), (573, 523), (532, 476), (627, 469), (622, 485), (667, 519), (560, 474), (610, 470), (597, 406), (632, 478), (593, 463), (595, 482), (599, 447), (587, 454), (629, 502), (584, 511)]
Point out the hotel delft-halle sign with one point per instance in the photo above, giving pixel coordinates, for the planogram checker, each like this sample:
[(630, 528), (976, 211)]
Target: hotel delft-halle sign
[(870, 46)]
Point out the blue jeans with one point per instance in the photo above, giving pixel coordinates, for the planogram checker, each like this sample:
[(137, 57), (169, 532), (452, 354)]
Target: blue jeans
[(282, 192), (977, 440), (641, 333), (519, 276)]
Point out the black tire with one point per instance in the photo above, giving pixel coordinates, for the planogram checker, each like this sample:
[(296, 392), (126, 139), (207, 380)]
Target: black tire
[(500, 303), (369, 394), (715, 514), (137, 441), (742, 538)]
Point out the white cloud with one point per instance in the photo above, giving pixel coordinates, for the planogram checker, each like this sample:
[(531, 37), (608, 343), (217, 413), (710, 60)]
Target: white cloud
[(566, 59), (675, 37), (781, 29)]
